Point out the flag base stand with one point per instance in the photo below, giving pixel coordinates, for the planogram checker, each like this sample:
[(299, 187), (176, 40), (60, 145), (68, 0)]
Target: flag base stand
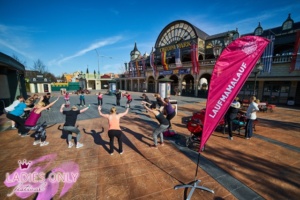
[(193, 185)]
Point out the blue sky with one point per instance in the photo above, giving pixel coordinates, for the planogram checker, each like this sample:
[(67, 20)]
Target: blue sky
[(64, 34)]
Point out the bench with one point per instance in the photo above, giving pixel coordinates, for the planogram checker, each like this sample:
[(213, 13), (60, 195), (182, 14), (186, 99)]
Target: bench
[(245, 104), (240, 122), (264, 107), (271, 107)]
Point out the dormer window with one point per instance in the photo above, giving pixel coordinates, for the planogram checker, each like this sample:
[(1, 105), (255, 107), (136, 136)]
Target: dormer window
[(288, 24), (258, 30)]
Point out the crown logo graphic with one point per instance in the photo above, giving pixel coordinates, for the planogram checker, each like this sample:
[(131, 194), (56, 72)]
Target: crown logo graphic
[(24, 164)]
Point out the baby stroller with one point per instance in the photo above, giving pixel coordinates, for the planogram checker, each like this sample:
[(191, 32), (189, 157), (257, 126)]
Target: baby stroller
[(195, 126)]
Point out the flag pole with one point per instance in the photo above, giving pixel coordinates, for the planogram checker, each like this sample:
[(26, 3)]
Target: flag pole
[(241, 56), (194, 184)]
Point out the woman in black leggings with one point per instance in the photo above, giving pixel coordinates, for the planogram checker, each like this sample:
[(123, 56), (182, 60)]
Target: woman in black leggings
[(114, 129)]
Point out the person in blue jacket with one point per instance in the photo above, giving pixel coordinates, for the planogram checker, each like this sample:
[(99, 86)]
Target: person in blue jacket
[(16, 114)]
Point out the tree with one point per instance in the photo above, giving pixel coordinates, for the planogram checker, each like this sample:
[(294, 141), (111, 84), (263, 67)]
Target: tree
[(50, 76), (121, 69), (40, 67), (17, 59)]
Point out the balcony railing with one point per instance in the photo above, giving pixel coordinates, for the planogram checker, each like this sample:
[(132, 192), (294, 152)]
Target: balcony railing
[(212, 62), (282, 58)]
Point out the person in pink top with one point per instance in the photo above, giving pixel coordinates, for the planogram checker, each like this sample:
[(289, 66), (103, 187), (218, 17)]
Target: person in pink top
[(31, 121), (129, 98), (67, 99), (100, 97), (114, 129)]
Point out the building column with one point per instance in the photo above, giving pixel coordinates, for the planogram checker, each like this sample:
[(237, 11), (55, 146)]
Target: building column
[(260, 89), (196, 82), (180, 84), (138, 85), (125, 88), (145, 85), (131, 84), (120, 85), (156, 89)]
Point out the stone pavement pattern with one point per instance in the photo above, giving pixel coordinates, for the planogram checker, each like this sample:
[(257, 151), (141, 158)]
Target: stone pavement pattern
[(267, 166)]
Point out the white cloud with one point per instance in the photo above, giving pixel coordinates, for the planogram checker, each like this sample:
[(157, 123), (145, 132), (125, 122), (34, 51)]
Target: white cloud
[(114, 11), (92, 47)]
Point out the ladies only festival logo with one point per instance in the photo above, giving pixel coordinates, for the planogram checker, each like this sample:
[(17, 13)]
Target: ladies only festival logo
[(36, 176)]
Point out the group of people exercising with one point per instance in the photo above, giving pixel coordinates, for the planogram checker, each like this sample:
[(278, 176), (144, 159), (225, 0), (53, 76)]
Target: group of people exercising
[(25, 124)]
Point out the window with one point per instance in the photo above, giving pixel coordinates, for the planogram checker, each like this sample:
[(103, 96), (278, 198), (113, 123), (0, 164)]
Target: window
[(258, 31), (288, 24)]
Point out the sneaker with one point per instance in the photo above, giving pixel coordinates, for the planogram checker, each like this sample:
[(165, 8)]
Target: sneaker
[(121, 152), (79, 145), (24, 135), (13, 127), (111, 154), (36, 142), (162, 144), (70, 145), (230, 138), (153, 146), (44, 143), (247, 138)]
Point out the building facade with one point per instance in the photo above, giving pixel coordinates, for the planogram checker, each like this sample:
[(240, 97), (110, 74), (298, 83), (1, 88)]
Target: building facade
[(37, 83), (12, 80), (187, 55)]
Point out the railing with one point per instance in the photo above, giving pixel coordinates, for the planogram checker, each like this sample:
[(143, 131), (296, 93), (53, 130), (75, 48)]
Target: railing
[(282, 58), (212, 62)]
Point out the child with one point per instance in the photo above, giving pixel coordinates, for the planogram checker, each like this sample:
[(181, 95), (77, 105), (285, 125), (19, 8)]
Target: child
[(82, 99), (99, 99), (67, 99), (129, 99)]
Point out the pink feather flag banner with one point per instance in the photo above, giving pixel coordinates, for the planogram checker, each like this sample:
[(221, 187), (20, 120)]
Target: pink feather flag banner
[(231, 71)]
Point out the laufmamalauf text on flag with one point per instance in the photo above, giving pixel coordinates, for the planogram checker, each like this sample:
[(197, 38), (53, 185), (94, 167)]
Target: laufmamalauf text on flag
[(229, 75)]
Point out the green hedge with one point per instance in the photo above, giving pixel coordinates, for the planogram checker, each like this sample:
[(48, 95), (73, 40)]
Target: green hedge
[(72, 86)]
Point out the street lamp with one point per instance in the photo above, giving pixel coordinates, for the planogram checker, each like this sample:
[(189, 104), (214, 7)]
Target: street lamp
[(102, 56), (98, 64), (217, 49), (81, 77), (258, 69)]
